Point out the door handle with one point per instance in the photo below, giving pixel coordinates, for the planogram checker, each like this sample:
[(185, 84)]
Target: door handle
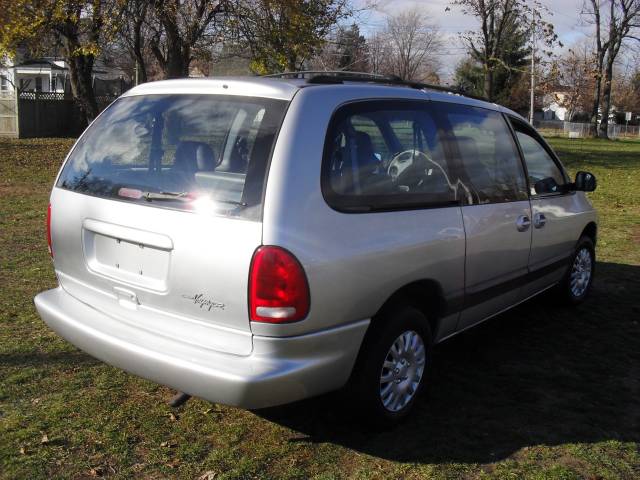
[(539, 220), (523, 223)]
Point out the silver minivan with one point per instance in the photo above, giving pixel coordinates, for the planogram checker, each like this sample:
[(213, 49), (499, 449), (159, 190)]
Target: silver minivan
[(256, 241)]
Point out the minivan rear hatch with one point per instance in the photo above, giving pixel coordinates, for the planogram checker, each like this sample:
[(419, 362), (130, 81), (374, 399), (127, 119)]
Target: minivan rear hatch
[(157, 213)]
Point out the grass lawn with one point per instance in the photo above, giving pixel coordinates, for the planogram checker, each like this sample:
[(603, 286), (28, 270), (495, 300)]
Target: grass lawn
[(539, 392)]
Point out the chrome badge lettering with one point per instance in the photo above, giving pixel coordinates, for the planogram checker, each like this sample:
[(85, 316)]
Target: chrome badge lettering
[(205, 303)]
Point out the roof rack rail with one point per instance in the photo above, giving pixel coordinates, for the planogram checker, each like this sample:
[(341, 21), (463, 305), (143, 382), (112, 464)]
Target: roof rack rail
[(341, 76), (311, 74)]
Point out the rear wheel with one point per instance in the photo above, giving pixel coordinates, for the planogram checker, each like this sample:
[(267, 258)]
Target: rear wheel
[(576, 284), (392, 367)]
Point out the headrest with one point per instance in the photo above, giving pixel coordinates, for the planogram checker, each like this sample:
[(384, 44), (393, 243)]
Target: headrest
[(194, 157), (364, 146)]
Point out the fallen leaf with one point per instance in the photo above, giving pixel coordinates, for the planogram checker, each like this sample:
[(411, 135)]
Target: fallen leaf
[(45, 439), (173, 417), (96, 471), (22, 451), (210, 475)]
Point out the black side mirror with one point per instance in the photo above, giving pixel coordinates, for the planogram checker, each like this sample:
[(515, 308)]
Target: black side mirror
[(585, 182)]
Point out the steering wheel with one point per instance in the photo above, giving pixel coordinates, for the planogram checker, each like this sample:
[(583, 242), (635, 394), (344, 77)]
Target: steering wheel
[(403, 160)]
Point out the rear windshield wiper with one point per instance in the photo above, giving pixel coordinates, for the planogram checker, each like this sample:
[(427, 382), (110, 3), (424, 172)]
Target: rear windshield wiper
[(170, 196), (183, 197)]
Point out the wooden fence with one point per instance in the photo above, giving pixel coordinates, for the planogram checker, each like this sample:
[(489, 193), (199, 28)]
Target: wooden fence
[(8, 115), (48, 115), (42, 114)]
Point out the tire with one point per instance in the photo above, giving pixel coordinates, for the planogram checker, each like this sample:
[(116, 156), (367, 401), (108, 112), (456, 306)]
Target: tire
[(575, 286), (401, 325)]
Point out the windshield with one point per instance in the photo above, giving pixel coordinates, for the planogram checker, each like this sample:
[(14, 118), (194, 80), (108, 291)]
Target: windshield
[(179, 151)]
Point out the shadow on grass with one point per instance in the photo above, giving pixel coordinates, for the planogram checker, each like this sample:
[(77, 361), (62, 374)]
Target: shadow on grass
[(598, 153), (45, 359), (539, 374)]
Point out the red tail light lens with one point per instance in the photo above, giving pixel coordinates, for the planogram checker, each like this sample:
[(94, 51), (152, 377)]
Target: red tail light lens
[(278, 288), (49, 230)]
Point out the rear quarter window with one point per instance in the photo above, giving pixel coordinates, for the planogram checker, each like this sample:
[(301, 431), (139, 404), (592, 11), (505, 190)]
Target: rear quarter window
[(386, 155)]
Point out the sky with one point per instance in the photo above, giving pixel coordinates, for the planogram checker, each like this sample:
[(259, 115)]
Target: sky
[(564, 14)]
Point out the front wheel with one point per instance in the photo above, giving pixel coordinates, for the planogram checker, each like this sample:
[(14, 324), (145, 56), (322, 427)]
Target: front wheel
[(392, 367), (576, 284)]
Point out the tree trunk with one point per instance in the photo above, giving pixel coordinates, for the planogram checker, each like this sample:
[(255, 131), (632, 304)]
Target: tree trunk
[(177, 64), (596, 103), (606, 97), (142, 67), (292, 63), (600, 52), (137, 52), (488, 82), (80, 74)]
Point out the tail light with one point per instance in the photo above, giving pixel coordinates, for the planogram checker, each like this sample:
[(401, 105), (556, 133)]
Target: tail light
[(278, 288), (49, 231)]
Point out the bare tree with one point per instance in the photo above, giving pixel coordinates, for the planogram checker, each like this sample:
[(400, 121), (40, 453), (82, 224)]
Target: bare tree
[(496, 17), (624, 22), (379, 52), (135, 35), (413, 39), (576, 69), (183, 27), (591, 10)]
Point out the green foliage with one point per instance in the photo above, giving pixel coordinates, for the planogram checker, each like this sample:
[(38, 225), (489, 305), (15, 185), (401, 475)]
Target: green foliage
[(499, 44), (469, 76), (283, 34), (351, 49), (29, 22)]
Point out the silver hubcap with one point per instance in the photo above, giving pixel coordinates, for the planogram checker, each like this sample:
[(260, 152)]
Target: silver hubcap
[(580, 273), (402, 371)]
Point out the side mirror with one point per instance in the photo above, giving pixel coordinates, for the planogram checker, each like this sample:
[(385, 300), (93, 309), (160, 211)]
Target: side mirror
[(585, 182)]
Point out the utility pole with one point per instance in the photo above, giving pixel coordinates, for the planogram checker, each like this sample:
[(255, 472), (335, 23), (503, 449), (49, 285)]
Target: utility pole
[(533, 64)]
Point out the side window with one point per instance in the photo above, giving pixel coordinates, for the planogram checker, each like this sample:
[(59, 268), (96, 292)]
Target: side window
[(485, 154), (385, 154), (545, 177)]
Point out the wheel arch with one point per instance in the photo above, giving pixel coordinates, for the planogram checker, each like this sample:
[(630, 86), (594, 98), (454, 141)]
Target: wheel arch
[(425, 295), (591, 231)]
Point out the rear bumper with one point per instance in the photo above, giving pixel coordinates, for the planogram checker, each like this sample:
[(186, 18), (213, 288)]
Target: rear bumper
[(278, 370)]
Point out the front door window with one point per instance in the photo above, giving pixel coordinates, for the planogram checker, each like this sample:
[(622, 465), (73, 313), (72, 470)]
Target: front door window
[(545, 176)]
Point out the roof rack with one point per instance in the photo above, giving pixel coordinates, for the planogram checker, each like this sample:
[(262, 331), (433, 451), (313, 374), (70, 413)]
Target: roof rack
[(341, 76), (311, 74)]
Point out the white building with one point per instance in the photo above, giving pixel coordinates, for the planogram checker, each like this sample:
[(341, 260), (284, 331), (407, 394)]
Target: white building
[(37, 75), (46, 74), (554, 106)]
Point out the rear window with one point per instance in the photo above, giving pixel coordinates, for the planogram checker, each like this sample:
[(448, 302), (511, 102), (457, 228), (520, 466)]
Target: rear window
[(189, 152)]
